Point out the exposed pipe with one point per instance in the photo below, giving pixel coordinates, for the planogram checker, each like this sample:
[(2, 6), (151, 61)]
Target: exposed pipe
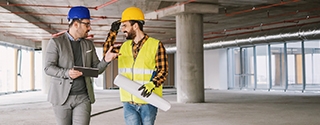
[(179, 4), (33, 5), (30, 27), (57, 34), (62, 15), (297, 20), (30, 13), (56, 6), (262, 7), (90, 36), (254, 40), (254, 26), (95, 17), (293, 13), (105, 4), (255, 31), (100, 25), (148, 32), (29, 33), (166, 20), (96, 8)]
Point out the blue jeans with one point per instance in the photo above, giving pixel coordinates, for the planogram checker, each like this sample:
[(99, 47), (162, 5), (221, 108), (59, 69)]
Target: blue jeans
[(139, 114)]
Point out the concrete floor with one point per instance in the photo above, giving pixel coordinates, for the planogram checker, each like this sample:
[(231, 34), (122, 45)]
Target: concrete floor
[(220, 108)]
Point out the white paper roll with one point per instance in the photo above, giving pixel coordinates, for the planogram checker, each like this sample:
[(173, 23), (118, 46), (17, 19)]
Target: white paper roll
[(132, 87)]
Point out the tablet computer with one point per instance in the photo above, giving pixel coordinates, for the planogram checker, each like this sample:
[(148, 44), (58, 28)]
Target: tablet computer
[(87, 71)]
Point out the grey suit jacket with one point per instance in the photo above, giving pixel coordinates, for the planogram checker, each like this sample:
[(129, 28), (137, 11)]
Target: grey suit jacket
[(58, 62)]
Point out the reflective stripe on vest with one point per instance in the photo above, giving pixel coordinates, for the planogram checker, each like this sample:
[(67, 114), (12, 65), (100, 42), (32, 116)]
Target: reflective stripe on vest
[(135, 71)]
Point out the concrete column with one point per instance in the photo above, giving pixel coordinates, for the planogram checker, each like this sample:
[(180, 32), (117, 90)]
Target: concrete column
[(45, 78), (190, 73), (32, 71)]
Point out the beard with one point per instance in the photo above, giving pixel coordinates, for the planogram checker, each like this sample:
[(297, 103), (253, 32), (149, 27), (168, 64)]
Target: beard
[(83, 34), (86, 34), (131, 34)]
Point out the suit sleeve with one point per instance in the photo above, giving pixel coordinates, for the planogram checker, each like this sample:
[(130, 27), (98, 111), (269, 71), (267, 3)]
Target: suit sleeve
[(100, 64), (51, 62)]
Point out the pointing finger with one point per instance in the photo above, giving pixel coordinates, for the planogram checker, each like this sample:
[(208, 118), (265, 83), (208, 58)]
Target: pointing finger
[(110, 49)]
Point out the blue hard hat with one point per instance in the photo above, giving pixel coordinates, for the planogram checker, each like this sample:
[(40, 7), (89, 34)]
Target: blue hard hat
[(79, 12)]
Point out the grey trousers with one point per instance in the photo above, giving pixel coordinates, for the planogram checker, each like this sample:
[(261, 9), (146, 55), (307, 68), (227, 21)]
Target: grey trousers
[(76, 111)]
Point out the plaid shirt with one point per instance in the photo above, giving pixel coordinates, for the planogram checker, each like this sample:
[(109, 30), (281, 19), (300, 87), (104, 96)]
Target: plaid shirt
[(161, 57)]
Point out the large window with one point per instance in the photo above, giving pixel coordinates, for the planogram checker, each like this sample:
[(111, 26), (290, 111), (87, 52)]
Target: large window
[(7, 69), (98, 82), (262, 67), (24, 70), (38, 69), (312, 61), (16, 69), (295, 66), (242, 60), (278, 66), (247, 64)]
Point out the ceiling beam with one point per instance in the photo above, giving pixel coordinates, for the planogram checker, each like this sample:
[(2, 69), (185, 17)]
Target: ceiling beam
[(11, 39), (183, 8), (27, 17)]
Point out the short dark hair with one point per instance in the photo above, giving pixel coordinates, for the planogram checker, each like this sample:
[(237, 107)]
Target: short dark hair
[(139, 22), (71, 21)]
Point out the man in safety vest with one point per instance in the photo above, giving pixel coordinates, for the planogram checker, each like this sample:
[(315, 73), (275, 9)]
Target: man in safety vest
[(142, 59)]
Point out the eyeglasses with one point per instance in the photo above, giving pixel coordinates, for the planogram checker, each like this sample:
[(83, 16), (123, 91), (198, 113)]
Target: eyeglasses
[(86, 23)]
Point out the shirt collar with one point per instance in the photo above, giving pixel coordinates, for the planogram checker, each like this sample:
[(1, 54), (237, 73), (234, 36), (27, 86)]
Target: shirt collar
[(70, 37), (142, 40)]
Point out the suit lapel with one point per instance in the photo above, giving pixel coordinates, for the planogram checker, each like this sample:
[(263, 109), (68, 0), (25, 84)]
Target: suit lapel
[(84, 50), (68, 45)]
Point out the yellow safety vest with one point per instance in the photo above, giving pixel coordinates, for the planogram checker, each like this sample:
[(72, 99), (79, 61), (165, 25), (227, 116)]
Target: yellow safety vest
[(139, 69)]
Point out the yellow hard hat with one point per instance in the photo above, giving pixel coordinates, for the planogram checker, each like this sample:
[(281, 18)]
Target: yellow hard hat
[(132, 13)]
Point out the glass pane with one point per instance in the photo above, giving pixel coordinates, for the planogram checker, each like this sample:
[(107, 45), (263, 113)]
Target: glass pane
[(278, 66), (98, 82), (247, 68), (262, 67), (295, 73), (3, 85), (24, 70), (241, 68), (230, 68), (237, 68), (312, 61), (38, 69), (6, 69)]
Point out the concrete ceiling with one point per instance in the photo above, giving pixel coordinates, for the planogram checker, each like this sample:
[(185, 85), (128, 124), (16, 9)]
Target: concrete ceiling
[(28, 22)]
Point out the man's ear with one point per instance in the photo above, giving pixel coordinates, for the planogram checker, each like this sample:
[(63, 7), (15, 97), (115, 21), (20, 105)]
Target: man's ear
[(75, 24), (135, 26)]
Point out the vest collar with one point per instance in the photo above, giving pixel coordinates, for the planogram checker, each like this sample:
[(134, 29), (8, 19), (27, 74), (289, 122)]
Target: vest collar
[(142, 41)]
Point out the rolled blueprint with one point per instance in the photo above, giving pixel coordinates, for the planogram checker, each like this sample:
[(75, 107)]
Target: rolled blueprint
[(132, 87)]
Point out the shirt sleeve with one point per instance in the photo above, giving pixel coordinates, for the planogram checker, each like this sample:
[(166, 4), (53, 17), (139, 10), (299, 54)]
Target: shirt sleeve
[(161, 66), (110, 42)]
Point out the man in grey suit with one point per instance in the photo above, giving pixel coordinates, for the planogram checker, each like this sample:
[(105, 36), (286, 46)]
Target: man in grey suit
[(71, 93)]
